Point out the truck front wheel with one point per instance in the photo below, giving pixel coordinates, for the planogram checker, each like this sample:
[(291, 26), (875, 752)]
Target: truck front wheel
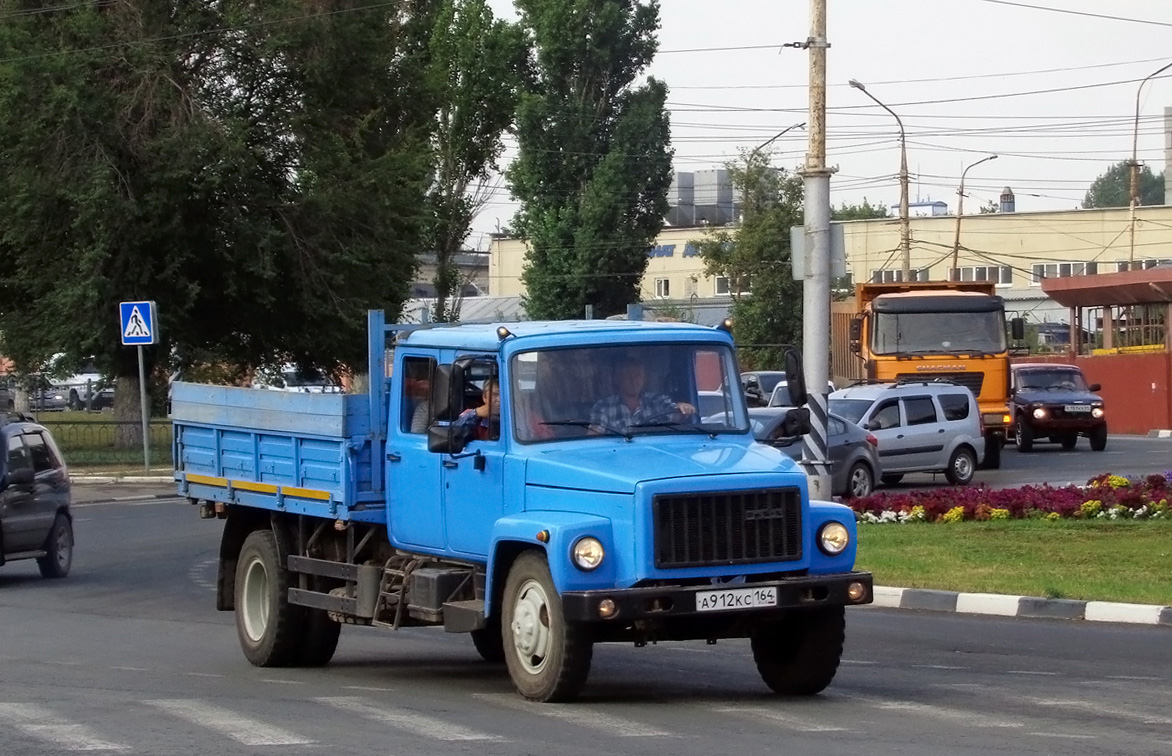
[(799, 655), (992, 460), (270, 630), (548, 658)]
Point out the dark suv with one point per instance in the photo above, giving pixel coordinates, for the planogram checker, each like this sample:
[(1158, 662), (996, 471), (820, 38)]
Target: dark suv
[(35, 522), (1052, 402)]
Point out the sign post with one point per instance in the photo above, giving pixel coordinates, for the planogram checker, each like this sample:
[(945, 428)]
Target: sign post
[(140, 328)]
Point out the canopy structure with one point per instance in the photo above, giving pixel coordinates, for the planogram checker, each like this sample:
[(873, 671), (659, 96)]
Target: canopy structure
[(1136, 307)]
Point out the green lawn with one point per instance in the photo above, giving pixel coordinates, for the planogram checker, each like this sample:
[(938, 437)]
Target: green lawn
[(1124, 560)]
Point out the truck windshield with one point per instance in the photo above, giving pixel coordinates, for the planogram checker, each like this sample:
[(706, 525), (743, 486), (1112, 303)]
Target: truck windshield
[(944, 333), (626, 391)]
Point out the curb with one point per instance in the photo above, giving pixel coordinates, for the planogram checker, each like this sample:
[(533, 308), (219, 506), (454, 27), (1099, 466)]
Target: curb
[(1160, 434), (1021, 606)]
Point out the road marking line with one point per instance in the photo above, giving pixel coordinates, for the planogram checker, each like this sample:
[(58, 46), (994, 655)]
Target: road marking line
[(241, 729), (419, 724), (945, 667), (1063, 735), (612, 725), (939, 712), (1100, 707), (131, 669), (1030, 672), (37, 723), (800, 724)]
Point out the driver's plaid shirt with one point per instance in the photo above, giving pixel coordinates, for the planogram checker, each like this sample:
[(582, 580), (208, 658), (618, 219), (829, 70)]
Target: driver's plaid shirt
[(613, 412)]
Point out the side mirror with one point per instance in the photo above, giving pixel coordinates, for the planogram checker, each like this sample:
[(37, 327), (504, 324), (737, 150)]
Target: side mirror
[(1095, 387), (797, 422), (446, 439), (22, 477), (872, 425), (856, 333), (795, 378), (1017, 329)]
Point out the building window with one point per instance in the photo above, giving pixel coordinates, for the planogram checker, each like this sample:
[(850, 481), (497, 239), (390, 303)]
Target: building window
[(662, 288), (1122, 266), (896, 275), (726, 286), (1002, 275), (1062, 270)]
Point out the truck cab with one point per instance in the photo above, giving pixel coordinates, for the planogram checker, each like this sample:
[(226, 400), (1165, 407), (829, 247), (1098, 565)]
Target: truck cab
[(596, 505)]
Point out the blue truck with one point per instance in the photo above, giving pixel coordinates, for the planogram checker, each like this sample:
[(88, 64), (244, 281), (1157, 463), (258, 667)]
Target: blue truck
[(560, 523)]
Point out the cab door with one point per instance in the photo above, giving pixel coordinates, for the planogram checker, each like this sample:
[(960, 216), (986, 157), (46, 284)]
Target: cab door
[(886, 423), (473, 481), (414, 483)]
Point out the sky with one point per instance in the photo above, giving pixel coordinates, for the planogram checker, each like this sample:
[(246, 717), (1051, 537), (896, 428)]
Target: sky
[(1049, 86)]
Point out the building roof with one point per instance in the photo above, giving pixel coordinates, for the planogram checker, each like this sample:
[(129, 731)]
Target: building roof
[(1153, 285)]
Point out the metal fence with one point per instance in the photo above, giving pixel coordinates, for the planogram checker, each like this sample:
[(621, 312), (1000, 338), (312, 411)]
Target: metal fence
[(108, 443)]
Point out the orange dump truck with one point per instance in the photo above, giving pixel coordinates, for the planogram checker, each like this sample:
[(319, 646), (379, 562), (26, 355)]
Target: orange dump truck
[(954, 331)]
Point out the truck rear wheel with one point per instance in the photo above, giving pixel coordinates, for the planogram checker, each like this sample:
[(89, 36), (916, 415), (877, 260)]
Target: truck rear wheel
[(270, 629), (548, 658), (799, 655), (320, 638), (992, 460)]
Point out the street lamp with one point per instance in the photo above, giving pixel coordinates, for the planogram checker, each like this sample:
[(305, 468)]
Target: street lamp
[(777, 136), (960, 209), (1134, 164), (905, 235)]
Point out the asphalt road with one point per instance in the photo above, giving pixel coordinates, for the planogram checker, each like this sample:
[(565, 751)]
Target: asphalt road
[(127, 655), (1049, 463)]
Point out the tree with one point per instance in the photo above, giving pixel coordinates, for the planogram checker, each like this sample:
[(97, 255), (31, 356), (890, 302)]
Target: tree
[(864, 211), (989, 208), (204, 156), (594, 163), (478, 66), (1113, 188), (756, 257)]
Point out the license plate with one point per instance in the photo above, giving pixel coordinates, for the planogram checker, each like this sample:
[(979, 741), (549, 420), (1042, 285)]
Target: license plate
[(1076, 408), (736, 598)]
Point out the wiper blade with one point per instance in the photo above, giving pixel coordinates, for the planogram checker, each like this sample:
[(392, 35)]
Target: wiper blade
[(606, 429), (691, 428)]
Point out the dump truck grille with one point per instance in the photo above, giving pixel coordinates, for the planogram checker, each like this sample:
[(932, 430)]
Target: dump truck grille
[(728, 527), (971, 381)]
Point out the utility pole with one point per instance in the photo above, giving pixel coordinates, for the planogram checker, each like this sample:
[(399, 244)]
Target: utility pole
[(960, 211), (816, 285), (1134, 164)]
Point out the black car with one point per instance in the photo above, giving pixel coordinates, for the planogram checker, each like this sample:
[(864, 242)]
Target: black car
[(1052, 402), (35, 522), (758, 385)]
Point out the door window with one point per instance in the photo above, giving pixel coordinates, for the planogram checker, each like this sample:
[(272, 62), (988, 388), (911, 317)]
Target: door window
[(416, 399), (887, 415), (18, 456), (955, 406), (920, 410)]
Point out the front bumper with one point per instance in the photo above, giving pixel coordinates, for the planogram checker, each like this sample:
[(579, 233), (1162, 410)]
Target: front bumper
[(665, 602)]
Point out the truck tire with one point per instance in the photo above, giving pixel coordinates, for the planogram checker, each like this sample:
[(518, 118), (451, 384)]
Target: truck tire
[(489, 642), (1024, 438), (799, 656), (320, 632), (992, 460), (548, 658), (270, 629), (59, 550), (961, 466), (1098, 438)]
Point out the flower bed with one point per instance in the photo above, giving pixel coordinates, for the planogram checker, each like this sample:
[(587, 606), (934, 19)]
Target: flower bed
[(1103, 497)]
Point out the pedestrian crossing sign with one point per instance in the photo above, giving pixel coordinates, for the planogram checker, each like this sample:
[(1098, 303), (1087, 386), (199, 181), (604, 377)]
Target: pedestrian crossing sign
[(138, 323)]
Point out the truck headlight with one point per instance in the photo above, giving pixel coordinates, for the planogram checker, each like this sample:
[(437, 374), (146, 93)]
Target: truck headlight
[(833, 538), (588, 553), (1097, 412)]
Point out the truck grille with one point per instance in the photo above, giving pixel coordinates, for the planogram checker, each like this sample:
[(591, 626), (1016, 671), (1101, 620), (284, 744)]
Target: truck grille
[(728, 527), (971, 381)]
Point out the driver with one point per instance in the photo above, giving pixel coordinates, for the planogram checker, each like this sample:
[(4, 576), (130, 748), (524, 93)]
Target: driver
[(631, 405)]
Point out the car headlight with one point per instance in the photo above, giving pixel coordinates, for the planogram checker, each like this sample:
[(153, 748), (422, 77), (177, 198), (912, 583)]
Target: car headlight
[(1039, 413), (833, 538), (1097, 413), (588, 553)]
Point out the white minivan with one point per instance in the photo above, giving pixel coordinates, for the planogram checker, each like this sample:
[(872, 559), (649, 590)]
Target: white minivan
[(921, 427)]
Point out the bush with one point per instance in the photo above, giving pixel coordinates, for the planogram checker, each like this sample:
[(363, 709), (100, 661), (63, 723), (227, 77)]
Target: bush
[(1106, 496)]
